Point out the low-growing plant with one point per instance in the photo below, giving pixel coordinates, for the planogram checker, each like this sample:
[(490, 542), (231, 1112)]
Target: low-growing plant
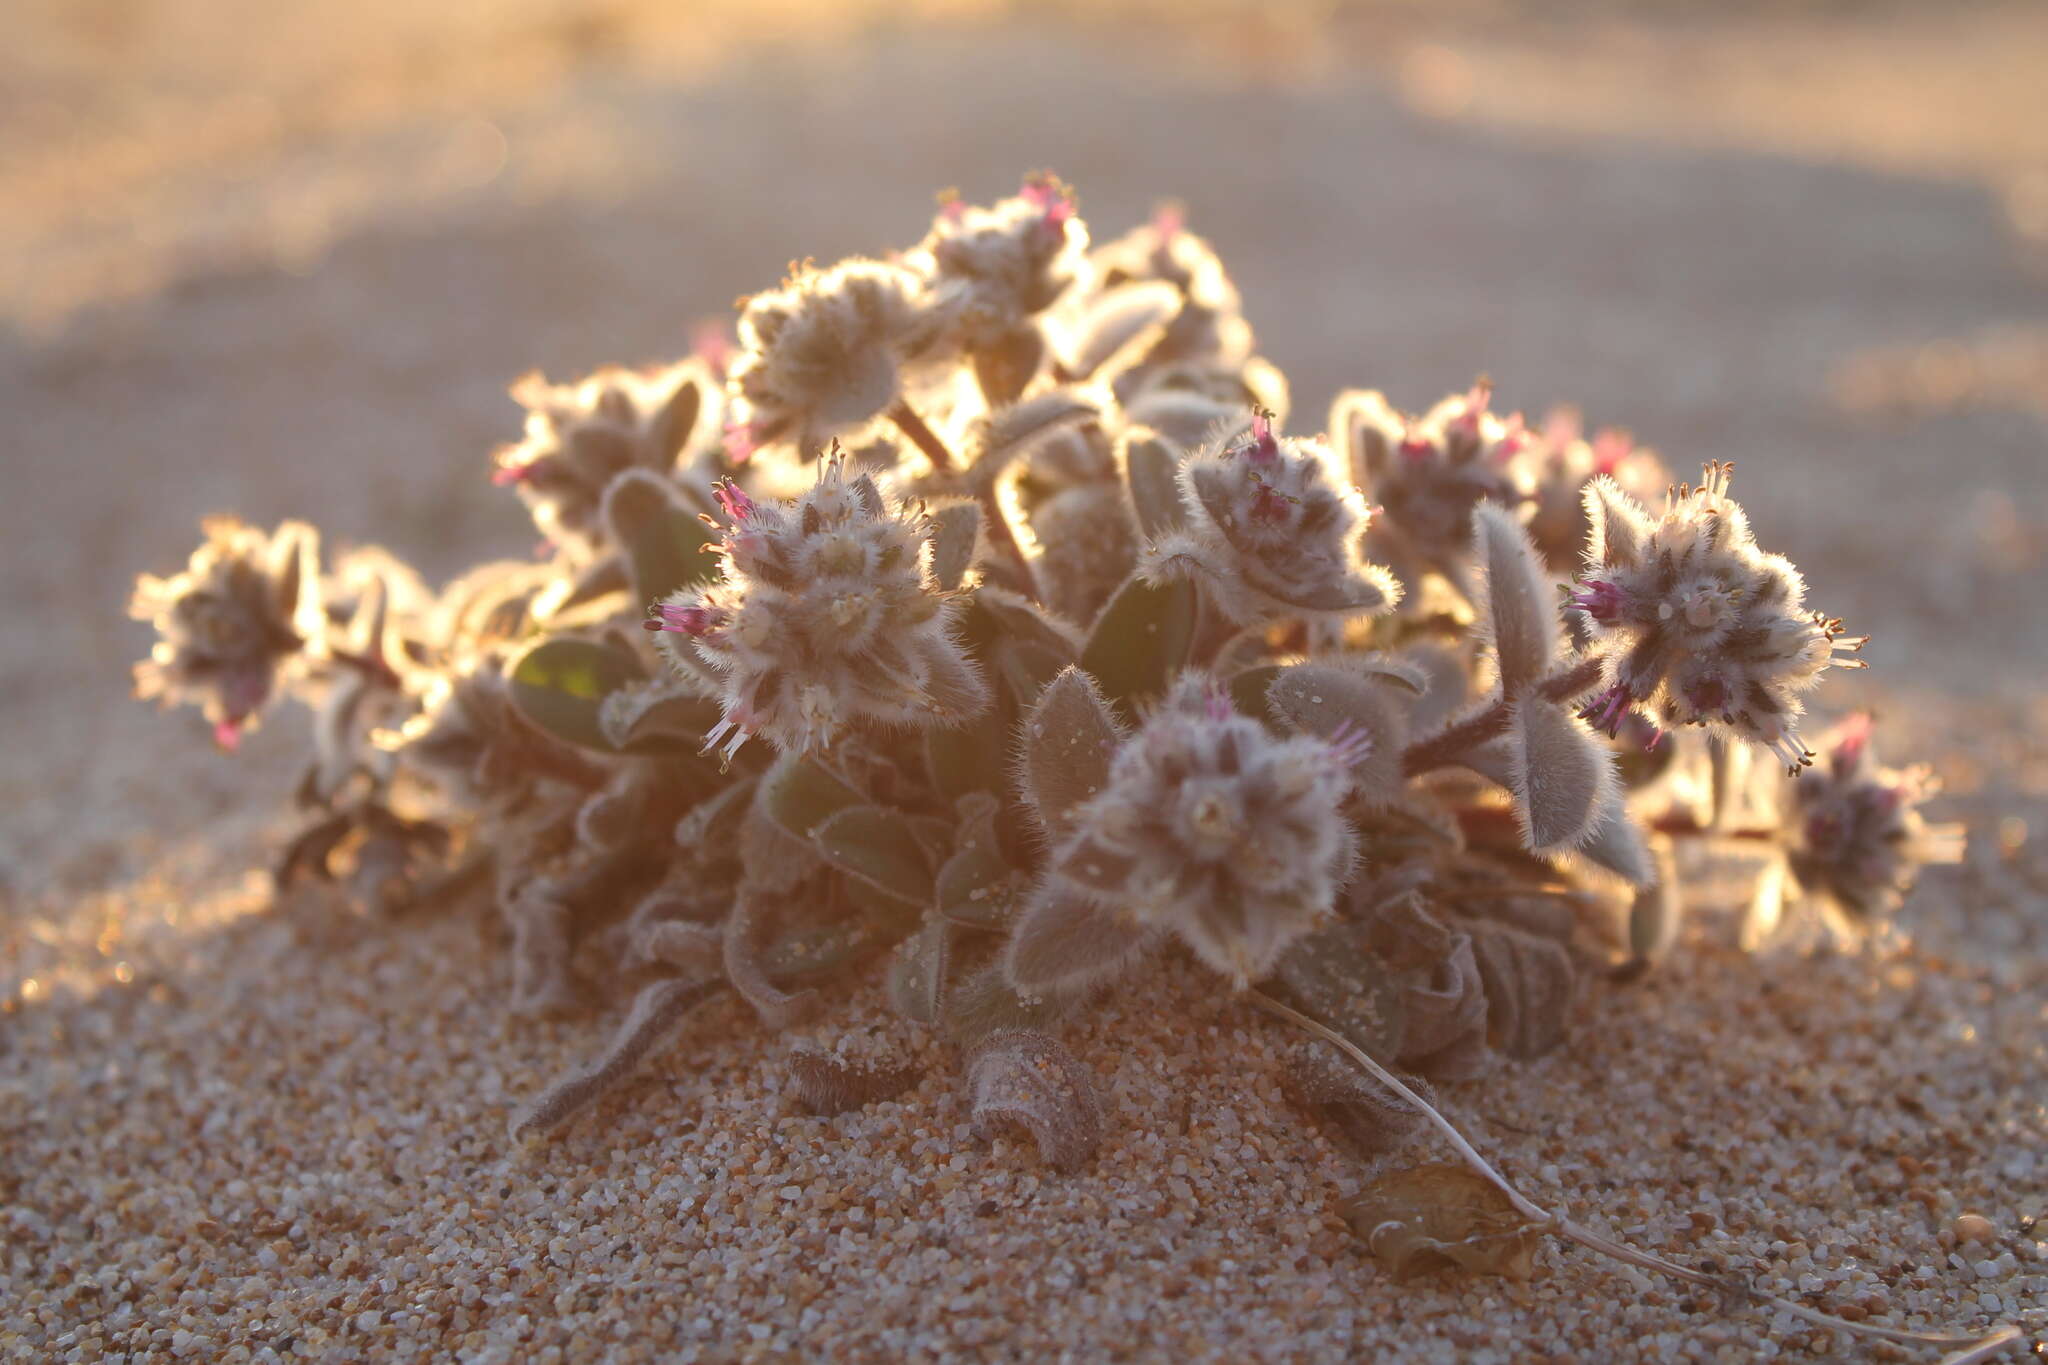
[(978, 625)]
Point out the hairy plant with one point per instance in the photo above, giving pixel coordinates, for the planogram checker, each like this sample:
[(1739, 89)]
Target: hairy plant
[(1064, 657)]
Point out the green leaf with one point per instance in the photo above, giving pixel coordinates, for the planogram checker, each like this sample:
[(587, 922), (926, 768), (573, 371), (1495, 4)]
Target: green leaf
[(800, 795), (971, 758), (1152, 465), (663, 539), (559, 686), (671, 427), (955, 528), (977, 885), (877, 845), (657, 717), (1068, 741), (1248, 690), (917, 976), (1141, 641), (1334, 976)]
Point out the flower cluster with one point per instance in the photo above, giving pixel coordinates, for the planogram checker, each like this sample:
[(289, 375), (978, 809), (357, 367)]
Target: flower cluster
[(1063, 655), (1854, 832), (826, 615), (1209, 325), (1555, 468), (829, 354), (232, 623), (1209, 829), (1270, 534), (1427, 473), (1694, 625), (1000, 265), (581, 436)]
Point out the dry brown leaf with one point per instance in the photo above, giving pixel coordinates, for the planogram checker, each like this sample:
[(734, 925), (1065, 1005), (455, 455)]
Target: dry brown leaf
[(1425, 1217)]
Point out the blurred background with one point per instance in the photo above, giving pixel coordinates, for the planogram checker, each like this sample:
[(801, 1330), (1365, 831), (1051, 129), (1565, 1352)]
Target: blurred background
[(284, 259)]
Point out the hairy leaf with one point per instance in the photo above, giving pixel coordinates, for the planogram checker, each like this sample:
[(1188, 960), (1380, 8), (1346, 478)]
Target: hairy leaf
[(1354, 1107), (1066, 745), (1029, 1078), (1321, 699), (877, 845), (918, 972), (1006, 368), (1517, 616), (661, 535), (799, 795), (1528, 983), (1618, 527), (1141, 642), (976, 884), (1137, 312), (956, 526), (560, 684), (1335, 977), (1008, 432), (1562, 776), (1065, 943), (825, 1083), (1152, 469), (981, 1002)]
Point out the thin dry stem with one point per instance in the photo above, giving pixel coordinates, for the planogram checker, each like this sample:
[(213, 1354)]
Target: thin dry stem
[(1974, 1348)]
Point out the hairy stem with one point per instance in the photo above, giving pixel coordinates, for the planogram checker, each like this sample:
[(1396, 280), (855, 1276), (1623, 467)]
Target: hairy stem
[(1448, 746), (995, 522), (1974, 1347), (922, 436)]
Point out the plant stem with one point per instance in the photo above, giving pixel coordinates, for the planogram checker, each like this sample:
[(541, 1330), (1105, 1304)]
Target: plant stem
[(1975, 1348), (1448, 746), (922, 436), (1000, 533)]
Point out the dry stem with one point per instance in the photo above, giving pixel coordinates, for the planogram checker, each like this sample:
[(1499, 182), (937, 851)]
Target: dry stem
[(1973, 1348)]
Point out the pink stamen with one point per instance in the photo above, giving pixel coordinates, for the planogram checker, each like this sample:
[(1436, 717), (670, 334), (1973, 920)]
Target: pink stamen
[(1475, 406), (1852, 740), (1218, 706), (1415, 448), (1168, 221), (1265, 446), (710, 344), (1608, 709), (1610, 448), (1601, 600), (227, 733), (505, 475), (1349, 744), (1514, 439), (736, 505), (1045, 193), (740, 444), (692, 619)]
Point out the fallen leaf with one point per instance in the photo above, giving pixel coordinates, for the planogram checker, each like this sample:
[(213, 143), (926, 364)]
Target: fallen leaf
[(1423, 1218)]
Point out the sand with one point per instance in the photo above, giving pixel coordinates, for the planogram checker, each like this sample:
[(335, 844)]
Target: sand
[(236, 1130)]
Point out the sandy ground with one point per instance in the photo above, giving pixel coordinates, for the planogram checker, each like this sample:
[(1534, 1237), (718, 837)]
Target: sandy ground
[(297, 286)]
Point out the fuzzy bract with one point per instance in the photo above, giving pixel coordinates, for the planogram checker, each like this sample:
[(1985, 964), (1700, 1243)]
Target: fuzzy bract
[(998, 266), (825, 616), (1268, 533), (1694, 624), (828, 354), (233, 623), (1427, 473), (1211, 829), (1854, 832), (581, 436)]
